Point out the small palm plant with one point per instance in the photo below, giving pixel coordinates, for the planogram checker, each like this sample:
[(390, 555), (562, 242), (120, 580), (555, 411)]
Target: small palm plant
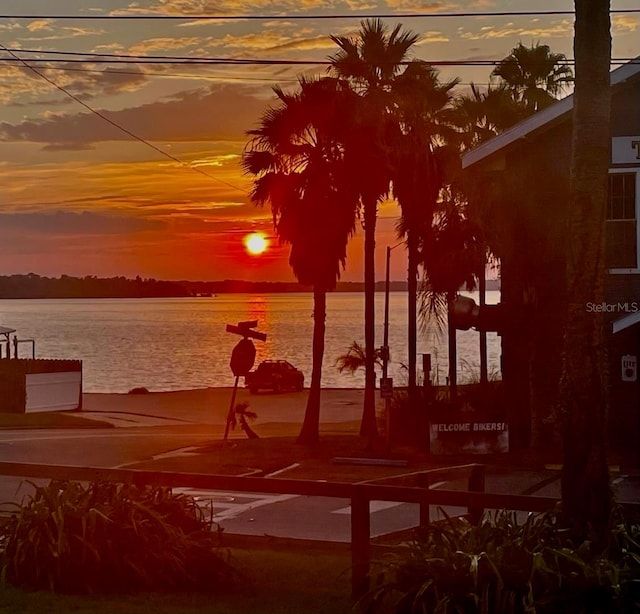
[(243, 412), (355, 358)]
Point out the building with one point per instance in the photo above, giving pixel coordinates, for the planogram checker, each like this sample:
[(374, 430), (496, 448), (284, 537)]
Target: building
[(522, 181)]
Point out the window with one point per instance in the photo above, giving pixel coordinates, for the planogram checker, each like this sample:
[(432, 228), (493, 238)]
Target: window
[(621, 227)]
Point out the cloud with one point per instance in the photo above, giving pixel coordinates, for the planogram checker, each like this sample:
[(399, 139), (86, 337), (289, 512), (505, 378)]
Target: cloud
[(226, 7), (153, 45), (624, 24), (558, 29), (272, 40), (39, 25), (24, 87), (220, 112), (422, 6), (71, 223), (59, 33)]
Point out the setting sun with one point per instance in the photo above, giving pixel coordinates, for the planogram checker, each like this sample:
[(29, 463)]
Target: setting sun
[(255, 243)]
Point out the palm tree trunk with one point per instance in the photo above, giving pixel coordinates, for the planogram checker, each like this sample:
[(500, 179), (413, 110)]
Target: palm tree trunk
[(482, 290), (368, 426), (453, 349), (586, 493), (412, 312), (310, 431)]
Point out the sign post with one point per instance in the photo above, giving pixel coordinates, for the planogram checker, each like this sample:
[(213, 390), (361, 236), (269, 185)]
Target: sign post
[(242, 358)]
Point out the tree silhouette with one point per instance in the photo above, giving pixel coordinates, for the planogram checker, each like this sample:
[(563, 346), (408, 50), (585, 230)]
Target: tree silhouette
[(482, 114), (534, 75), (370, 62), (422, 106), (297, 155), (452, 256), (586, 493)]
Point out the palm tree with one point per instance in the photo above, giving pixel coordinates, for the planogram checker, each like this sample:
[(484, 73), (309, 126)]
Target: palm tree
[(422, 103), (354, 358), (535, 75), (527, 259), (370, 62), (297, 157), (586, 494), (452, 256), (481, 115)]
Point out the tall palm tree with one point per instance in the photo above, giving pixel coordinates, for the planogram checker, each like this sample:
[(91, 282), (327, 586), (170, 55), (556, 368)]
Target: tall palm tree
[(421, 110), (535, 75), (370, 62), (297, 157), (586, 494)]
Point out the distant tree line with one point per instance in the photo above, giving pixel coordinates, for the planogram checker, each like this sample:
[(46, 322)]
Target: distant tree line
[(65, 286), (90, 286)]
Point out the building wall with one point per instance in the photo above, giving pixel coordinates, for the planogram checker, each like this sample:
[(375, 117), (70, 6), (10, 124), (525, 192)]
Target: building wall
[(40, 384), (624, 398), (528, 205)]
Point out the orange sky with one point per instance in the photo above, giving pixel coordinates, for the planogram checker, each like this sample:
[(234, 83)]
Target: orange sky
[(81, 197)]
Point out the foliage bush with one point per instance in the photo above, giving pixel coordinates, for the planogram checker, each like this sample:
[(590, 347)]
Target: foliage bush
[(105, 537), (501, 567)]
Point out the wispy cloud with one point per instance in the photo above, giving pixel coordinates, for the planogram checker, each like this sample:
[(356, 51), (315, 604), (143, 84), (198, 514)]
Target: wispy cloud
[(220, 112)]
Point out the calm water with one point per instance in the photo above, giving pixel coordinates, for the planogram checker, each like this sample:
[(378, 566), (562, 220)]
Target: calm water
[(175, 344)]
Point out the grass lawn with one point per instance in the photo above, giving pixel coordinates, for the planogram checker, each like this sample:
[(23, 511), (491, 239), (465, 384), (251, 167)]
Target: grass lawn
[(273, 581), (48, 419)]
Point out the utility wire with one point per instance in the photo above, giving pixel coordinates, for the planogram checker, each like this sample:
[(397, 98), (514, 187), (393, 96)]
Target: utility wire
[(266, 62), (157, 17), (205, 77), (116, 125), (116, 58), (182, 75)]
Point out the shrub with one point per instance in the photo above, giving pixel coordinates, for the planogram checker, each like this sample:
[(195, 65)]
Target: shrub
[(502, 567), (139, 390), (104, 537)]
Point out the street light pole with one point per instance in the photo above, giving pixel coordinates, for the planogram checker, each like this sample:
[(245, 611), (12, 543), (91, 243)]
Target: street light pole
[(385, 343), (385, 346)]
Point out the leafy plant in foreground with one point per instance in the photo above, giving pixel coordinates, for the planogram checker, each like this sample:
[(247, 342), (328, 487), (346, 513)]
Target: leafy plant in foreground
[(106, 537), (502, 567)]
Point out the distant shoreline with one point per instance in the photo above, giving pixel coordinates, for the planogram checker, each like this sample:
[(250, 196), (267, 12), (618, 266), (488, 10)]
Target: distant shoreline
[(36, 287)]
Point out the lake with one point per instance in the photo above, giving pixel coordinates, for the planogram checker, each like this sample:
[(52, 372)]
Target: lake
[(181, 343)]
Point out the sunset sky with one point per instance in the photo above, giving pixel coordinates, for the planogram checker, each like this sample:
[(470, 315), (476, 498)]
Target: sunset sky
[(81, 197)]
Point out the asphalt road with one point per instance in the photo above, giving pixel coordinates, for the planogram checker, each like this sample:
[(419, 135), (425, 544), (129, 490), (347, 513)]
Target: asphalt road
[(244, 513), (151, 427)]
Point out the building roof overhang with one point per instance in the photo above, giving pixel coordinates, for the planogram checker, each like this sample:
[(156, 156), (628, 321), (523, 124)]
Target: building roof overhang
[(557, 112), (631, 319)]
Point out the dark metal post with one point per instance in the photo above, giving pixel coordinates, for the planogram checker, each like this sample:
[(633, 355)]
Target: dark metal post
[(231, 417), (482, 289), (360, 546), (385, 351), (476, 484), (385, 343), (425, 514)]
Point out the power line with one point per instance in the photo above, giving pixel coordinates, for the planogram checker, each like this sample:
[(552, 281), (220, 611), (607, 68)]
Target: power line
[(191, 59), (169, 62), (157, 17), (183, 75), (118, 126), (123, 58), (165, 75)]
